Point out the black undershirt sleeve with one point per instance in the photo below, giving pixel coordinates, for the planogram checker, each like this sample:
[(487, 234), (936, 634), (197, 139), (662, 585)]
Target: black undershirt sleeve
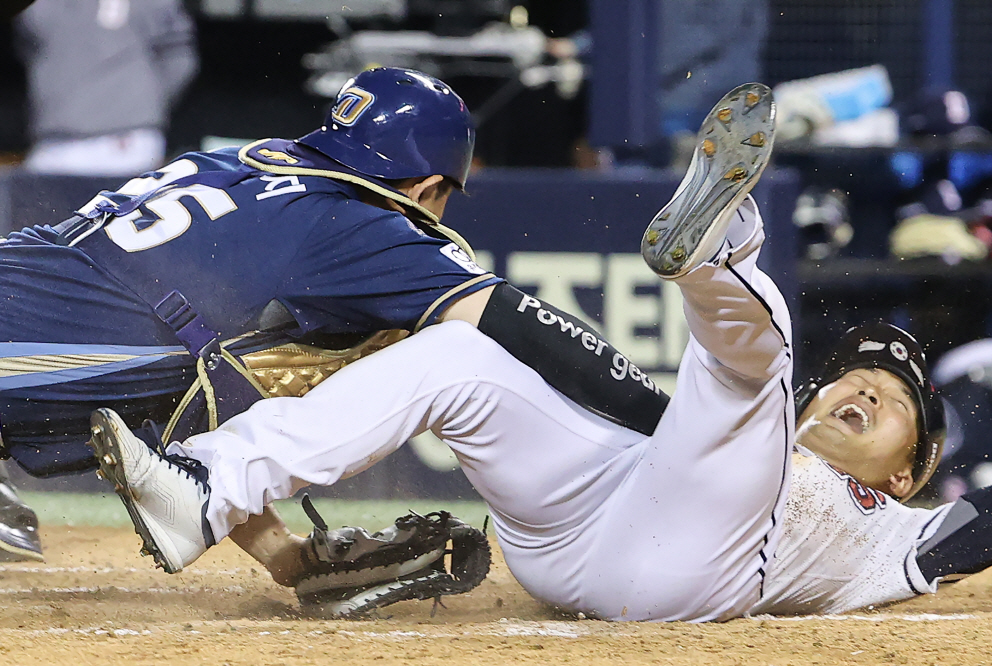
[(573, 358), (962, 544)]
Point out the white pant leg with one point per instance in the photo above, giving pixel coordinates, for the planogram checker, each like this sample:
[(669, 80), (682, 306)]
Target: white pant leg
[(688, 534), (730, 304), (590, 515), (541, 463)]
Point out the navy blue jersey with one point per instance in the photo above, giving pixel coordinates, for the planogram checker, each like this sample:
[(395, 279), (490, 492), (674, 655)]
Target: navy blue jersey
[(76, 328)]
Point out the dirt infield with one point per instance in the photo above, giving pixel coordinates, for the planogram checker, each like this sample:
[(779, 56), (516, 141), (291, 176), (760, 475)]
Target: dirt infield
[(95, 601)]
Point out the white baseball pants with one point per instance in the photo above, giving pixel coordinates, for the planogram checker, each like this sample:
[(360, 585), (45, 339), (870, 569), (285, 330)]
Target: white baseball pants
[(590, 516)]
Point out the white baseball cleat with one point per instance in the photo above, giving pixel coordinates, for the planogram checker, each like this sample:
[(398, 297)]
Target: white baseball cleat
[(166, 496), (733, 147)]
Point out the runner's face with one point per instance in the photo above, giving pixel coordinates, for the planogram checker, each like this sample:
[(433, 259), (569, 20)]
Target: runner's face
[(864, 424)]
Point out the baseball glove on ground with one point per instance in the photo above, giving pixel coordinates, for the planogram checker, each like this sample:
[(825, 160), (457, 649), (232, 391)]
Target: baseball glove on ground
[(350, 572)]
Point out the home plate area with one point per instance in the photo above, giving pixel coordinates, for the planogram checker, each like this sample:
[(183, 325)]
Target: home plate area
[(96, 601)]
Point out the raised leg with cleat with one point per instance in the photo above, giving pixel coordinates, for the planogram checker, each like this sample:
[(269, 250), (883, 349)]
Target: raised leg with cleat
[(733, 147)]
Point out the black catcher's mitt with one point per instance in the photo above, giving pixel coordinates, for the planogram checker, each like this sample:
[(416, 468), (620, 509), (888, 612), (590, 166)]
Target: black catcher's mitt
[(350, 572)]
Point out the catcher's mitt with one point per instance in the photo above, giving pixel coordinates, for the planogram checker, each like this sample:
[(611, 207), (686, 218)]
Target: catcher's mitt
[(350, 572)]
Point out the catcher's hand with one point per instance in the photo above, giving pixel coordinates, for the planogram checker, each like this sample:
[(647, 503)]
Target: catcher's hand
[(350, 573)]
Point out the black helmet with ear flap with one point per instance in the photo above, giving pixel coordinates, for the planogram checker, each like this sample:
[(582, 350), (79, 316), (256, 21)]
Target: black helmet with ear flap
[(881, 345)]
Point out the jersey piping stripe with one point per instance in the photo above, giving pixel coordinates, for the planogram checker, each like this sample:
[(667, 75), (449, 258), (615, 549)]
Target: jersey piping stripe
[(430, 218), (785, 416), (909, 579), (12, 349), (15, 366), (905, 564), (92, 368), (333, 175), (30, 364), (781, 485), (761, 300), (464, 289)]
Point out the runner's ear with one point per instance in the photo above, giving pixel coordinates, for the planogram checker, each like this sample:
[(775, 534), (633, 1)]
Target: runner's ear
[(901, 482)]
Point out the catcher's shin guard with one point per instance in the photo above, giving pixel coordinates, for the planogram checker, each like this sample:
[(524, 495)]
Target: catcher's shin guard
[(19, 538), (350, 573), (733, 146)]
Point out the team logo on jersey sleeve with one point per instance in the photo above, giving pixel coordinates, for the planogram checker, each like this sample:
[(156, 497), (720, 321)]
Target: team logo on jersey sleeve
[(350, 106), (460, 257), (868, 500)]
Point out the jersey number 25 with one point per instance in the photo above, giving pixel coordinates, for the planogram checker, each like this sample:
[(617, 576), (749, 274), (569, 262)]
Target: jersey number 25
[(174, 217)]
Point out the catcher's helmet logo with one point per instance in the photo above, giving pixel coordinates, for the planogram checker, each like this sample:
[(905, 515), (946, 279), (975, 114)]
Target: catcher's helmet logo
[(350, 106), (899, 350)]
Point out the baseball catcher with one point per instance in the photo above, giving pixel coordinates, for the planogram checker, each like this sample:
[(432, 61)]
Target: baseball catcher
[(226, 277), (730, 506)]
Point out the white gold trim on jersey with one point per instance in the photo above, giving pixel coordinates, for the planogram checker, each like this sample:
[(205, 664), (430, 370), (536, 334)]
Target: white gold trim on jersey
[(28, 364), (428, 218), (24, 365), (448, 296)]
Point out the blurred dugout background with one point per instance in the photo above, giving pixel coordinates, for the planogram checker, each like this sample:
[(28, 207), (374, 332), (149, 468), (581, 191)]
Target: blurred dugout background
[(252, 81), (583, 135)]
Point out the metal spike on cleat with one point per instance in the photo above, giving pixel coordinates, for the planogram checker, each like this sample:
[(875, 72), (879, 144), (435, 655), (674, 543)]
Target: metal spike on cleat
[(734, 146)]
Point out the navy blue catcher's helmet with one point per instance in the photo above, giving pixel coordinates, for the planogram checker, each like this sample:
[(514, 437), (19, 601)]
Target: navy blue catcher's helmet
[(398, 123), (882, 345)]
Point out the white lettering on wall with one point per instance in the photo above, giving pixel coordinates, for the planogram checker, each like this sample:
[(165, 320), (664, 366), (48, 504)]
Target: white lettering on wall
[(556, 275), (641, 315)]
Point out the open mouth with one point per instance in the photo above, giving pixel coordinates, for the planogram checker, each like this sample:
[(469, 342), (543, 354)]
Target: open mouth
[(854, 416)]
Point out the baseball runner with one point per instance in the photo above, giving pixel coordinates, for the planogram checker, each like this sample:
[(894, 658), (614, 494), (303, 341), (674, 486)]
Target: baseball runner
[(725, 509), (230, 276)]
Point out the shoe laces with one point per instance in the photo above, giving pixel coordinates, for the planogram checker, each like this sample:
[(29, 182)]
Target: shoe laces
[(192, 468)]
